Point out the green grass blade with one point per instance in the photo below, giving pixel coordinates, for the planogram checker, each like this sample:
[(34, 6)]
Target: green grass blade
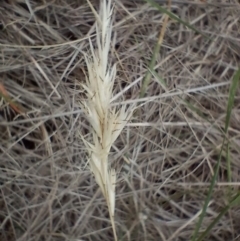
[(234, 201), (160, 79), (174, 17), (229, 173), (195, 110), (204, 210), (158, 45), (230, 106), (231, 97), (151, 67), (232, 92)]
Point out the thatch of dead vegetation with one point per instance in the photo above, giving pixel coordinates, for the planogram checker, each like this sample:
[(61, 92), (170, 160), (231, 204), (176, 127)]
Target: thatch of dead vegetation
[(164, 158)]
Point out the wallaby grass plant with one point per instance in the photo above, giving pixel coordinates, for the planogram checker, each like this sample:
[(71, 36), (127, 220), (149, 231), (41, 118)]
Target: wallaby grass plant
[(106, 121), (188, 75)]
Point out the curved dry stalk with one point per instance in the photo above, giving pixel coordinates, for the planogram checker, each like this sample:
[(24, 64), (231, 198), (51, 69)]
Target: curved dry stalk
[(107, 122)]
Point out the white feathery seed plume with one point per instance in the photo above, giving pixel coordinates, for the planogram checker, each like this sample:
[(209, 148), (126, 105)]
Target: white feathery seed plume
[(106, 121)]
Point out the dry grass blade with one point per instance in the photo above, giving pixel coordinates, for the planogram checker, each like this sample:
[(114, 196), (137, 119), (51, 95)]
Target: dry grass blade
[(106, 122)]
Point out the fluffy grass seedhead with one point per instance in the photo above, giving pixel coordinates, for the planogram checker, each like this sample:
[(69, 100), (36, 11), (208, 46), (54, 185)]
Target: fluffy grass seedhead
[(106, 121)]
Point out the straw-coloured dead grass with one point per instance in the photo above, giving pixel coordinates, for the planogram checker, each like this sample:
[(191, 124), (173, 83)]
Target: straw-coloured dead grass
[(164, 157)]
